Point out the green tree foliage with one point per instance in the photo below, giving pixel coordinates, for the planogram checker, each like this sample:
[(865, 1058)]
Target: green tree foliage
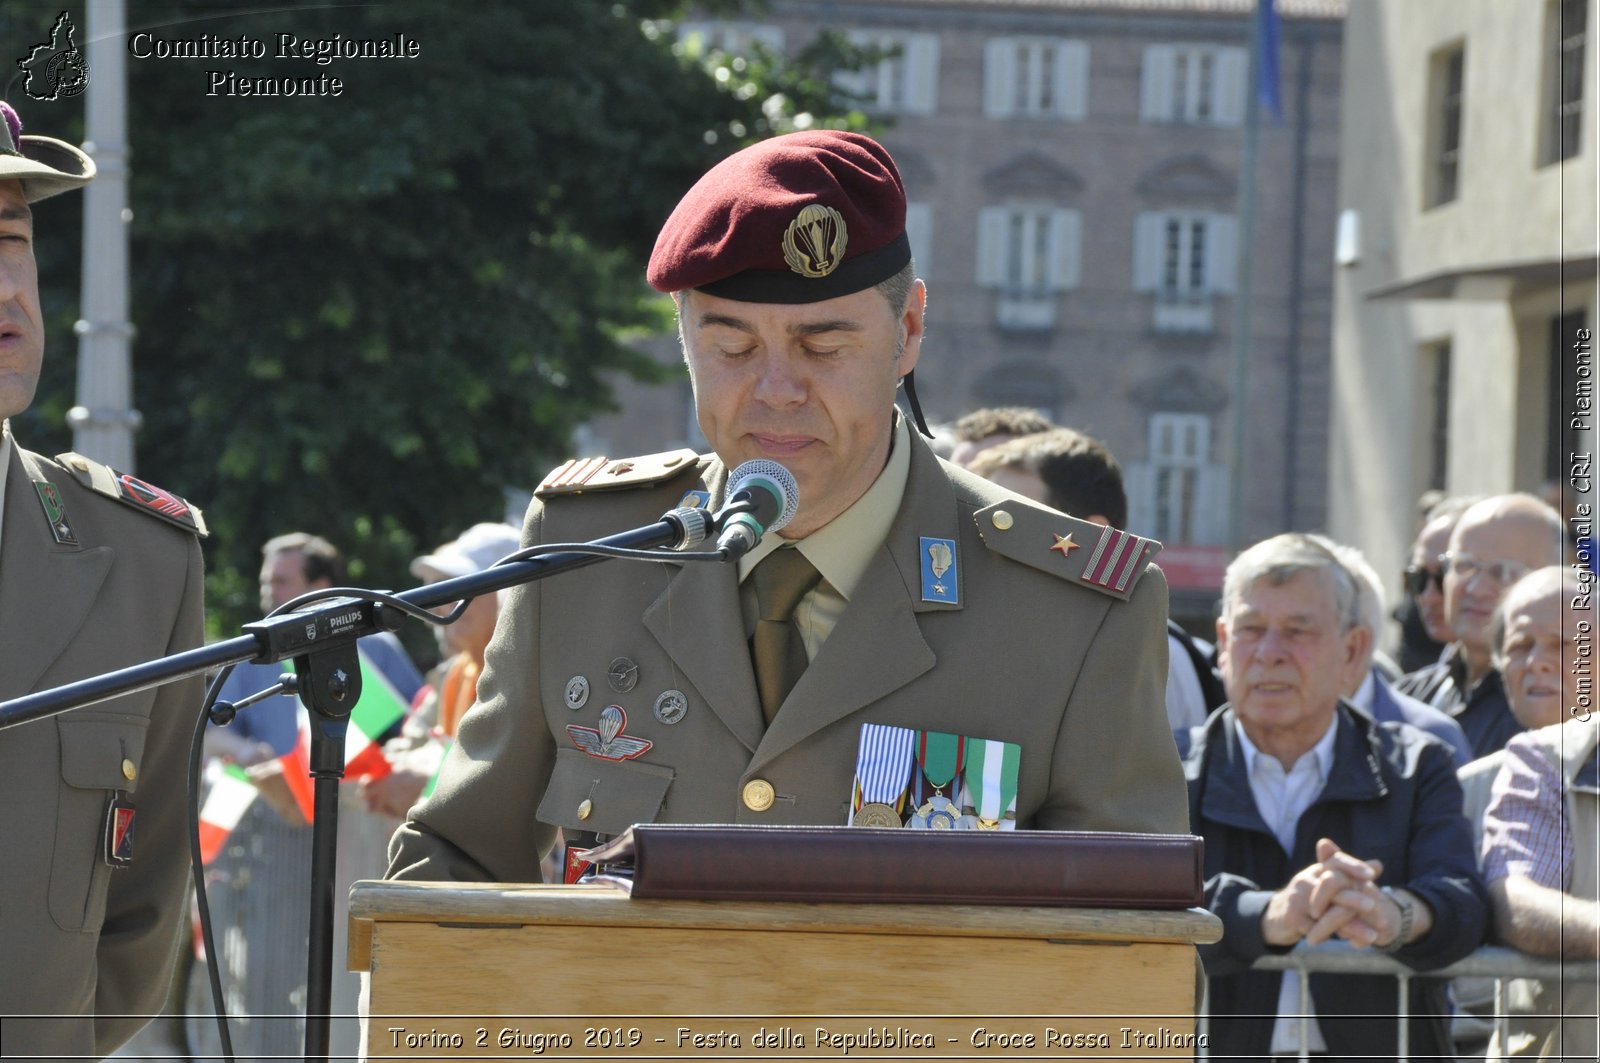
[(367, 315)]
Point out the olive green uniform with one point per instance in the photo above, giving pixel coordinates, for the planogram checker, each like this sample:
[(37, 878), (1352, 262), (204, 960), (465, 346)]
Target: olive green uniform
[(1026, 654), (82, 940)]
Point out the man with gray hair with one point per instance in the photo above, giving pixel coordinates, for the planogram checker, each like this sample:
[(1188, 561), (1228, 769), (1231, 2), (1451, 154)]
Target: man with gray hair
[(1372, 693), (1494, 544), (1321, 823)]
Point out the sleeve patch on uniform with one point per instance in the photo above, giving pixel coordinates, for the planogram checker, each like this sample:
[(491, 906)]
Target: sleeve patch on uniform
[(1104, 558), (600, 474)]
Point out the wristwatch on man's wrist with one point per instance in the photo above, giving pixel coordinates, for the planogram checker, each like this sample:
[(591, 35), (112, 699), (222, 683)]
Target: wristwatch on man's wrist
[(1407, 917)]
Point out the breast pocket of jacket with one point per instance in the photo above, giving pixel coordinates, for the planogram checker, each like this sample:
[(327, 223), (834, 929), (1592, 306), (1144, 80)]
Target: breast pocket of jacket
[(607, 797), (100, 758)]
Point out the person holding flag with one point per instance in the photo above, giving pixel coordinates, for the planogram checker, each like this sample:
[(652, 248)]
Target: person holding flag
[(453, 686), (259, 851)]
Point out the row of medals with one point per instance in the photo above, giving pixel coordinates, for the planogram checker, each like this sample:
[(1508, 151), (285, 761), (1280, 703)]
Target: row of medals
[(936, 813)]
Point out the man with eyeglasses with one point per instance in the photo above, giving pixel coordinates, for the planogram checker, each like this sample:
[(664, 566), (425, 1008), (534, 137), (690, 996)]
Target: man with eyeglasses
[(1494, 544), (1423, 631)]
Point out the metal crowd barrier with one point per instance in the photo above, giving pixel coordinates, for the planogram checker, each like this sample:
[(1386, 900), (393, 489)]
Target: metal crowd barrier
[(1339, 957)]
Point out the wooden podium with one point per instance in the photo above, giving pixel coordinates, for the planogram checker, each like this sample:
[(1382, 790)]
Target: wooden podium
[(567, 972)]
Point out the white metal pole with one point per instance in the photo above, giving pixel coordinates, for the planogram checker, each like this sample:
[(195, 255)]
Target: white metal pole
[(104, 420)]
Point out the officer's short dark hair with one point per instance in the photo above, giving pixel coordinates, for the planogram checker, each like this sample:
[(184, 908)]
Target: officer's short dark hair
[(1001, 421), (1079, 474), (322, 560)]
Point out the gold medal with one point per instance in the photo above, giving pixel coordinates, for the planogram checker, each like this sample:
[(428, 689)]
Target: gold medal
[(876, 814)]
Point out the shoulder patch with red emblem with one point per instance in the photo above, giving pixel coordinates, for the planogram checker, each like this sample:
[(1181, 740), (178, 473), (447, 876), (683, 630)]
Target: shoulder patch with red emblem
[(1098, 556), (132, 491), (605, 474)]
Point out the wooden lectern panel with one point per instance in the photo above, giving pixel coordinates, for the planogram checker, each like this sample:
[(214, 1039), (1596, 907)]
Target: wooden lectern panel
[(495, 971)]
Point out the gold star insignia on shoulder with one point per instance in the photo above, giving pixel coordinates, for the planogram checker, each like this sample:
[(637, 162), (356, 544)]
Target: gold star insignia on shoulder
[(1064, 544)]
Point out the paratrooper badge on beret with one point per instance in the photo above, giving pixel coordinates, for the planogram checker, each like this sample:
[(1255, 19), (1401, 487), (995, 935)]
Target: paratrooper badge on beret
[(132, 491), (1095, 555)]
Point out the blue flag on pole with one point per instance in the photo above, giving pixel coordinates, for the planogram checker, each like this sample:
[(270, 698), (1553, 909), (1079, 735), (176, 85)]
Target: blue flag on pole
[(1267, 38)]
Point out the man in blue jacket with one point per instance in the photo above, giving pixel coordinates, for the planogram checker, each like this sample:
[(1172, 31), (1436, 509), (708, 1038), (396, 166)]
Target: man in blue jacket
[(1321, 823)]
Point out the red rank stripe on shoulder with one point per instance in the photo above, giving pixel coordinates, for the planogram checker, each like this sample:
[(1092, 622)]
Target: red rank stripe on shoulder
[(1115, 559), (151, 497)]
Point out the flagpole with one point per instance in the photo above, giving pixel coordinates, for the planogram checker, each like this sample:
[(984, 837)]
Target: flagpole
[(1239, 466)]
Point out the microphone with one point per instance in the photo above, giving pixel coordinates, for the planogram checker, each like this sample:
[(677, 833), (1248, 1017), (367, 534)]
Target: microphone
[(762, 497)]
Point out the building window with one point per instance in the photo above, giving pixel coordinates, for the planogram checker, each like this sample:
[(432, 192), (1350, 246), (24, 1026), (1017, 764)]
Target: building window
[(1179, 495), (905, 81), (1436, 370), (1196, 84), (1037, 76), (1562, 94), (1028, 254), (919, 233), (1444, 170), (1185, 258)]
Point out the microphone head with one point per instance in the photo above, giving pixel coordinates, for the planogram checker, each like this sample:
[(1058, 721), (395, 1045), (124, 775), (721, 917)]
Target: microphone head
[(777, 480)]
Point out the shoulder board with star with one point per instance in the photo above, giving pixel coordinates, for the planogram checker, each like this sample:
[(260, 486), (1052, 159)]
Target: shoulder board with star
[(1103, 558), (605, 474), (128, 489)]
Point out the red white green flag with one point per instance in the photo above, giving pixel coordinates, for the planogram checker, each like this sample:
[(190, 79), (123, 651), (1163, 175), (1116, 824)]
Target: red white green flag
[(229, 794), (379, 709)]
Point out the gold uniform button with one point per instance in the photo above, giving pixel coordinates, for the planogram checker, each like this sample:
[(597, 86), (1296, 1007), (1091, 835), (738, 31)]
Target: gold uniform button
[(585, 807), (759, 795), (1002, 519), (129, 771)]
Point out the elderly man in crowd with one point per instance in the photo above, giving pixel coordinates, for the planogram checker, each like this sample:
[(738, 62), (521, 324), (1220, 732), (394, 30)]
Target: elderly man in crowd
[(1375, 695), (1321, 823), (991, 426), (1543, 815), (1423, 631), (1493, 545)]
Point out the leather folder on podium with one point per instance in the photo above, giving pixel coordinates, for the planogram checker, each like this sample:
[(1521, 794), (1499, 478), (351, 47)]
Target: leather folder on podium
[(867, 865)]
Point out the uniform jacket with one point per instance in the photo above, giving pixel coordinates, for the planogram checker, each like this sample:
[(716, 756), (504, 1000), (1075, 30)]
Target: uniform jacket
[(1075, 676), (79, 937), (1391, 795)]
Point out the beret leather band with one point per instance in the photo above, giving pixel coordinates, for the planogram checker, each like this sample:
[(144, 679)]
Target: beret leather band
[(786, 286)]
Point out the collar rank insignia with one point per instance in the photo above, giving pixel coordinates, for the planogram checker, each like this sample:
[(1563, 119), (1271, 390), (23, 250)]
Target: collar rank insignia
[(941, 577), (118, 847), (695, 500), (609, 743), (55, 511)]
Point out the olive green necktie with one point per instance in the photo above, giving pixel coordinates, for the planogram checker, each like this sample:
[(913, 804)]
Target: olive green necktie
[(782, 578)]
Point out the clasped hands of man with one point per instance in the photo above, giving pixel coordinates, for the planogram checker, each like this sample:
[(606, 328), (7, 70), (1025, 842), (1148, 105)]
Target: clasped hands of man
[(1338, 896)]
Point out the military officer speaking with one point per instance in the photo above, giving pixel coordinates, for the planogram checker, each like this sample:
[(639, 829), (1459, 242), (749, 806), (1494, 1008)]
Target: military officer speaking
[(97, 572), (917, 647)]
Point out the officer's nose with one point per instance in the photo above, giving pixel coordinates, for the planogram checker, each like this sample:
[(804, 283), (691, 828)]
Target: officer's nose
[(780, 383)]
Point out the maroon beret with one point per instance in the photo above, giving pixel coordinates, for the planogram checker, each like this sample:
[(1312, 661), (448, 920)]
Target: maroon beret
[(795, 219)]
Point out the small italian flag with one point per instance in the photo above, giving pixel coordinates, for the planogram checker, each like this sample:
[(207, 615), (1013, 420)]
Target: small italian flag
[(229, 793), (379, 709), (433, 780)]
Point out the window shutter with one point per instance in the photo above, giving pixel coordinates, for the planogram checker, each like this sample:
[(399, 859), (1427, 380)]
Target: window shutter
[(1065, 238), (859, 85), (1155, 83), (1231, 74), (919, 231), (1212, 506), (1148, 240), (992, 246), (1072, 80), (999, 77), (1139, 480), (922, 73), (1222, 254)]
